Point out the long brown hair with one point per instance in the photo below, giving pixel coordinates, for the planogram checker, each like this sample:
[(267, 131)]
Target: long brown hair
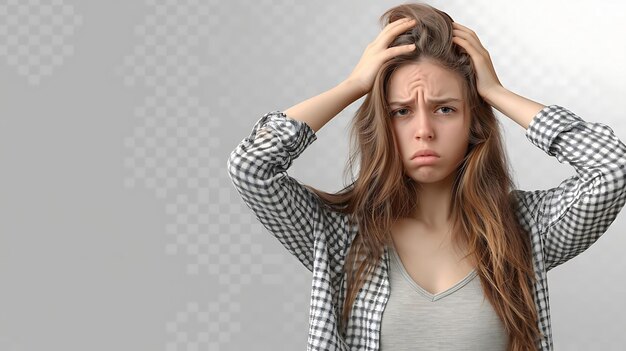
[(482, 206)]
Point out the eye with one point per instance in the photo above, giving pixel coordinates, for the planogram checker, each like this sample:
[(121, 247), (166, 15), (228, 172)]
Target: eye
[(393, 113), (449, 108)]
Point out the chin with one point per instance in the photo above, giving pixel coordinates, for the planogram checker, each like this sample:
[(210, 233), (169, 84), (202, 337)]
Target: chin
[(429, 176)]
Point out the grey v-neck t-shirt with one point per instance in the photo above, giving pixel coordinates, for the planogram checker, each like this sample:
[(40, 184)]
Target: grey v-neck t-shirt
[(459, 318)]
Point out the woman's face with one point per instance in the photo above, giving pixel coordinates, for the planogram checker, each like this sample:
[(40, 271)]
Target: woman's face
[(428, 112)]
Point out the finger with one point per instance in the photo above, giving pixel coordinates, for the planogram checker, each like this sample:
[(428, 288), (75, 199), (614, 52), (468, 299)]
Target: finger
[(468, 39), (400, 21), (391, 32), (471, 39), (467, 36), (464, 29), (457, 25), (398, 50), (396, 27), (471, 50)]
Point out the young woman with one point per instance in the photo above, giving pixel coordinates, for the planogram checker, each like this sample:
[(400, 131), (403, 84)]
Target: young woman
[(430, 247)]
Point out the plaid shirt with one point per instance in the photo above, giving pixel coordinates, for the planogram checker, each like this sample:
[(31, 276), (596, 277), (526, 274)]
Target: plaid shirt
[(562, 221)]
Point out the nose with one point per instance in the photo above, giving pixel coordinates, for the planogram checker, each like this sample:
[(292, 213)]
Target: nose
[(423, 125)]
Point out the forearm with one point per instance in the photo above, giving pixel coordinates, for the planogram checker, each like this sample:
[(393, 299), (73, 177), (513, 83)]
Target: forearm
[(320, 109), (516, 107)]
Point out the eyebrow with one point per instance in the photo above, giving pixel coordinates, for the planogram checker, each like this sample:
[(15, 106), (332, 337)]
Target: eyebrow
[(432, 101)]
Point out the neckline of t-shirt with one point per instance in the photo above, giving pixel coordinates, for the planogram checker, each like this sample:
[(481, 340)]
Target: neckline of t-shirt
[(430, 296)]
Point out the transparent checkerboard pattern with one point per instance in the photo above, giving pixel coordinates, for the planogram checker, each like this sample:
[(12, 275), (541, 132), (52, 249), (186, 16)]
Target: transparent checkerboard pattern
[(36, 36), (169, 149), (213, 325), (195, 326), (171, 152)]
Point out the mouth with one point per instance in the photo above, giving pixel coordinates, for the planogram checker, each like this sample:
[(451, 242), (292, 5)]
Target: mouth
[(426, 159), (426, 153)]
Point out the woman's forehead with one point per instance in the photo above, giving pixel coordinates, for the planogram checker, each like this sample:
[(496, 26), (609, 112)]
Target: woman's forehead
[(435, 80)]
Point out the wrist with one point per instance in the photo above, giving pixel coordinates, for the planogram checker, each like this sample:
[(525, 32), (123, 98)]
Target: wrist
[(353, 88), (495, 94)]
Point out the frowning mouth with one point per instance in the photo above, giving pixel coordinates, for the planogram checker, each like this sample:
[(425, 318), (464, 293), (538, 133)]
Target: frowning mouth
[(425, 159), (424, 152)]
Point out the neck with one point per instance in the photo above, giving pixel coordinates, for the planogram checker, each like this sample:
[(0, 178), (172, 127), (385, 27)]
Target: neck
[(433, 209)]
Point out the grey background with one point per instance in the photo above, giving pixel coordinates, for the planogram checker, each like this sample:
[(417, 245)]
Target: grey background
[(119, 227)]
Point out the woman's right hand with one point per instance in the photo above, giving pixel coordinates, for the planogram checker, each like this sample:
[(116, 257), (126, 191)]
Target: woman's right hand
[(378, 52)]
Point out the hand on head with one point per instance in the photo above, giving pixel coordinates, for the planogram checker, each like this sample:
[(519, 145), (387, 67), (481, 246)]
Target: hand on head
[(486, 77), (378, 52)]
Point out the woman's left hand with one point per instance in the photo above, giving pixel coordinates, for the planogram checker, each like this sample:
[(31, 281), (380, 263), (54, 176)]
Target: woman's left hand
[(486, 78)]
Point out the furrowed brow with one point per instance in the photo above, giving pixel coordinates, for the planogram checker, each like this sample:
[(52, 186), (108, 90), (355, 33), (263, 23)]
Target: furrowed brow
[(432, 101)]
